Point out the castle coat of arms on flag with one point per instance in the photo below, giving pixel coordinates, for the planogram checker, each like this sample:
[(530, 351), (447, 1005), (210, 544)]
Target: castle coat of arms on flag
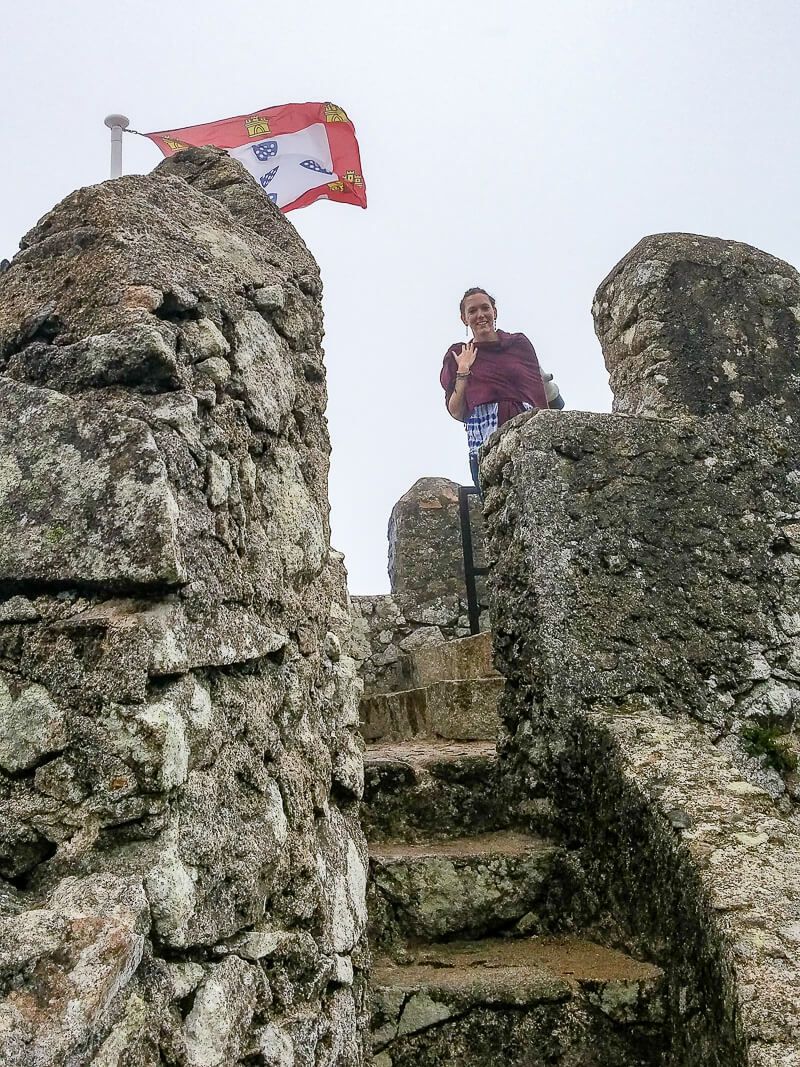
[(298, 153)]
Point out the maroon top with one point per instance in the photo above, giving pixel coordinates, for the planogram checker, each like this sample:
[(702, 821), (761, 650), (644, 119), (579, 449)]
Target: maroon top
[(505, 370)]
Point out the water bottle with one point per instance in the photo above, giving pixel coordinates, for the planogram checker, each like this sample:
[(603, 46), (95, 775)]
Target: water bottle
[(555, 400)]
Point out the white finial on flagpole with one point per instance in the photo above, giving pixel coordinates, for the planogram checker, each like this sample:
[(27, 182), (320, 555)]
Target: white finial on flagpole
[(116, 123)]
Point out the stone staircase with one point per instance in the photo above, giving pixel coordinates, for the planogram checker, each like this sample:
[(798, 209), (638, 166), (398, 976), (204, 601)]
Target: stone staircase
[(475, 912)]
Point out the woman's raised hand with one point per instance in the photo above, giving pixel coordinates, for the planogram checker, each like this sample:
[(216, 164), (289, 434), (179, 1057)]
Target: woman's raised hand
[(466, 357)]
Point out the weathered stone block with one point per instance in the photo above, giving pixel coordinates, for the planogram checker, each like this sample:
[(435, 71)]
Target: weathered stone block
[(416, 790), (179, 698), (426, 558), (519, 1003), (466, 887), (81, 951), (31, 727), (217, 1025), (469, 657), (459, 710), (697, 325), (84, 495), (464, 710)]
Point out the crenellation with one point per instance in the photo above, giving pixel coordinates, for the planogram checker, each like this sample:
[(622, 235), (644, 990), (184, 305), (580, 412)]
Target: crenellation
[(643, 606), (698, 325), (178, 675)]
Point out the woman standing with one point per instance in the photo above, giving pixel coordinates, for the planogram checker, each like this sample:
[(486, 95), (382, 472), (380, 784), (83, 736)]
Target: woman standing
[(491, 378)]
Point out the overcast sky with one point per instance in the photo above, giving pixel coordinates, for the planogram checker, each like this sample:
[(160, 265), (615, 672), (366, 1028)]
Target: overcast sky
[(520, 145)]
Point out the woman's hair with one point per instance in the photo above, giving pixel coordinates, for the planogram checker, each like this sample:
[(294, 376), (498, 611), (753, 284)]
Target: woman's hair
[(471, 292)]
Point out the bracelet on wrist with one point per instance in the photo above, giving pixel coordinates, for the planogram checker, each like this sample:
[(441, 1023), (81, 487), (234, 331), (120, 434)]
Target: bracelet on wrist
[(463, 374)]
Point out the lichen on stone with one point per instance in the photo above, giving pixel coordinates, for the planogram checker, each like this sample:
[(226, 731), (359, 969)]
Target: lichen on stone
[(176, 685)]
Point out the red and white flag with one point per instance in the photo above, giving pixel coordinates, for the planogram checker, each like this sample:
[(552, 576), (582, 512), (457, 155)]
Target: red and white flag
[(298, 153)]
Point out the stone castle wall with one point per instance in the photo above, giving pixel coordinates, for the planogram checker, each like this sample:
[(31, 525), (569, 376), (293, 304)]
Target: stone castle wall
[(645, 605), (182, 872), (428, 601)]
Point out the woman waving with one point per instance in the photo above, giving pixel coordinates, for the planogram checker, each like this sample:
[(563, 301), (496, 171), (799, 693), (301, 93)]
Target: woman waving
[(491, 378)]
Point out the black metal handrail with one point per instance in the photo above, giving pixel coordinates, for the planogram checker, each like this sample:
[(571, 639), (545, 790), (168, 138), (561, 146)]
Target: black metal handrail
[(470, 570)]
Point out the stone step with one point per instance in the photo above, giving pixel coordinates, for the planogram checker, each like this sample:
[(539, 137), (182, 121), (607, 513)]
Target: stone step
[(467, 657), (454, 710), (413, 789), (524, 1003), (465, 887)]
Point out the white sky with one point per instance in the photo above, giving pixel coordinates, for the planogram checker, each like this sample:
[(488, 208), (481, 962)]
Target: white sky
[(521, 146)]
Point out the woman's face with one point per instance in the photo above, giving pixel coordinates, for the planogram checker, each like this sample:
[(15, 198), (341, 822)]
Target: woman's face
[(479, 315)]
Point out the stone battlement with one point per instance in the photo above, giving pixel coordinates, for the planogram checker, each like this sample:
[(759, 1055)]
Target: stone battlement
[(645, 615), (182, 870)]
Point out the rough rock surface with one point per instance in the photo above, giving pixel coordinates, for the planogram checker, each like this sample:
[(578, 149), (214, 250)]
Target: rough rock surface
[(389, 636), (696, 325), (646, 609), (425, 554), (182, 873)]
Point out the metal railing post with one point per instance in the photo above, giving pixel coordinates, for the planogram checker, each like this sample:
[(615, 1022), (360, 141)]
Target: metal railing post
[(470, 570)]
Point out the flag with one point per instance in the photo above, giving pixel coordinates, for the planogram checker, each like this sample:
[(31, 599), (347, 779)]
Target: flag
[(298, 153)]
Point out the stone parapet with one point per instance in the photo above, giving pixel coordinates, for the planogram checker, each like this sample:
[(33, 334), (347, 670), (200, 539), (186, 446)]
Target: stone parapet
[(645, 604), (182, 871), (697, 325)]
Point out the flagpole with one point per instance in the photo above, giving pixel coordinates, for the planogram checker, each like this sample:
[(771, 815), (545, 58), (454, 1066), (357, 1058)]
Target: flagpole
[(116, 123)]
